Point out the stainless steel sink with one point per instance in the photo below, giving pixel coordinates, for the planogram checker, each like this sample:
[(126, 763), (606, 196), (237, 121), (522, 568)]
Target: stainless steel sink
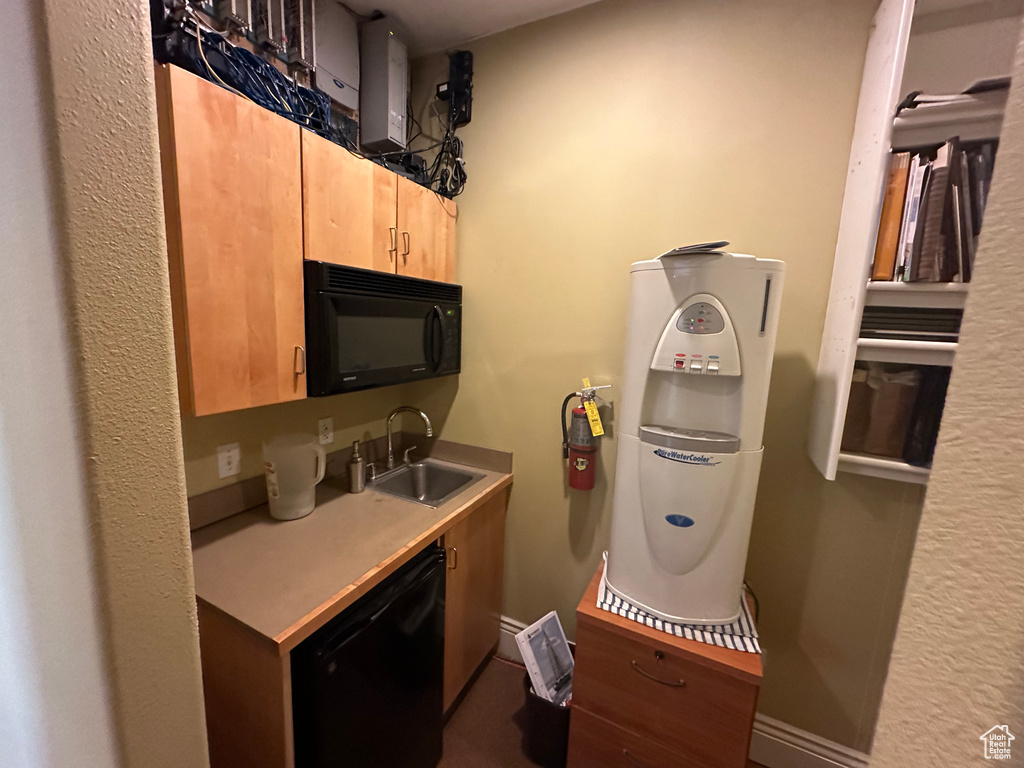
[(424, 483)]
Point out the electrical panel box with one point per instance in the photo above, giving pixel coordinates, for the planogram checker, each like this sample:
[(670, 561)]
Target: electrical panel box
[(234, 12), (268, 24), (384, 90), (337, 53), (299, 31)]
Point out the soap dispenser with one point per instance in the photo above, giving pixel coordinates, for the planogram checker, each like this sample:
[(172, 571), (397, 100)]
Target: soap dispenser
[(356, 471)]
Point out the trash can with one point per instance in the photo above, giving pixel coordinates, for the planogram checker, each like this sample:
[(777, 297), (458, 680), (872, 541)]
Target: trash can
[(546, 730)]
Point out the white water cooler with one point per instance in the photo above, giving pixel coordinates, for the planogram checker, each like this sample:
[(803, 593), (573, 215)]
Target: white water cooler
[(699, 346)]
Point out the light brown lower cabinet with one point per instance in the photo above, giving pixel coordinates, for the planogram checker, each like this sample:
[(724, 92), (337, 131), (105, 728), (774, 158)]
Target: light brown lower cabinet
[(247, 684), (472, 619), (642, 697)]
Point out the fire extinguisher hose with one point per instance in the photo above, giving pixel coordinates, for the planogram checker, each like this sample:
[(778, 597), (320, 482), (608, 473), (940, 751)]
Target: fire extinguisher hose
[(565, 428)]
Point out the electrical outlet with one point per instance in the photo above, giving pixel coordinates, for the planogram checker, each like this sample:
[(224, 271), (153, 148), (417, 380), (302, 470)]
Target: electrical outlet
[(229, 460), (325, 427)]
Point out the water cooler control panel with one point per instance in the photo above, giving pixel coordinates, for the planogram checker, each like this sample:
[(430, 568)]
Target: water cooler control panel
[(699, 340)]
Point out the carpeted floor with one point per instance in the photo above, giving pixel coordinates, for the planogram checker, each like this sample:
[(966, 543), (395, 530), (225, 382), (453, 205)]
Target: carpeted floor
[(486, 729)]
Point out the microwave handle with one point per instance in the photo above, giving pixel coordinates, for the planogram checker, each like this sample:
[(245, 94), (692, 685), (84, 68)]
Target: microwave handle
[(439, 316)]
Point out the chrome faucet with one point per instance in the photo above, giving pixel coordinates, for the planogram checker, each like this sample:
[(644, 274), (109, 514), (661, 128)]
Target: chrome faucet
[(421, 414)]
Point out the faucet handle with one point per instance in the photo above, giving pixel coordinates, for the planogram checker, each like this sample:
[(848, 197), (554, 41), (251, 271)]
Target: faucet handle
[(406, 452), (371, 472)]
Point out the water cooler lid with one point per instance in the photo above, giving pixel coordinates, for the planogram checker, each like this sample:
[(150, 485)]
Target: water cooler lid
[(701, 440)]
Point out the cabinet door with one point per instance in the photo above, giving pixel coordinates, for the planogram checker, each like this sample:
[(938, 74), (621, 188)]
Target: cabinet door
[(426, 227), (233, 200), (476, 554), (348, 207)]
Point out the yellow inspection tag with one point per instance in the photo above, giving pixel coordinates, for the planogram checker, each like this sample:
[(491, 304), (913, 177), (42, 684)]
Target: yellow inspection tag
[(592, 416)]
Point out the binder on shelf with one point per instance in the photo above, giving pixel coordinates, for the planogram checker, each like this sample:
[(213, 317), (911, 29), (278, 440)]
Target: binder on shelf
[(932, 260), (891, 217)]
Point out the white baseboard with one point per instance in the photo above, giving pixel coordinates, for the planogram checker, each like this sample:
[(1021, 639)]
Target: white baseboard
[(776, 744), (507, 646)]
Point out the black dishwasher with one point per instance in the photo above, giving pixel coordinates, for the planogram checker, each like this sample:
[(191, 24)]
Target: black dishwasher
[(367, 688)]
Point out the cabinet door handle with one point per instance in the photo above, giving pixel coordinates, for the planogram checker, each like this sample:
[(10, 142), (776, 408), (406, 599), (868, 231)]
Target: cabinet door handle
[(676, 683), (394, 242), (453, 559), (299, 357), (631, 760), (406, 241)]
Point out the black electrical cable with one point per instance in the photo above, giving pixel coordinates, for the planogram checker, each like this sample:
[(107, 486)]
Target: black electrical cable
[(206, 52)]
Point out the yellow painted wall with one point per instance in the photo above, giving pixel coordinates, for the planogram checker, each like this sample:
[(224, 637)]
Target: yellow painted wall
[(956, 666), (611, 134), (605, 136)]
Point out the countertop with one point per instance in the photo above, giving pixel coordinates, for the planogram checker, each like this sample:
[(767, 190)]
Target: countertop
[(284, 580)]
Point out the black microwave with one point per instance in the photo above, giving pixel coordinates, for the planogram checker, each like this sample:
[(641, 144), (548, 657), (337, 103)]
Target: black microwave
[(370, 329)]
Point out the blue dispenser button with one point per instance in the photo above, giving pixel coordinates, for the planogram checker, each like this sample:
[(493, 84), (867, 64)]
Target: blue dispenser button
[(680, 521)]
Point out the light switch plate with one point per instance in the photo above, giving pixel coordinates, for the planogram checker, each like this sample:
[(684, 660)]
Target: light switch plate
[(325, 428), (229, 460)]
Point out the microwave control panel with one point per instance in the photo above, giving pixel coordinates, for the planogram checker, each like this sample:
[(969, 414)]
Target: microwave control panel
[(452, 333)]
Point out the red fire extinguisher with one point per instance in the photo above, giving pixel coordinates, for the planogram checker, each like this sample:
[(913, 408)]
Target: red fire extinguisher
[(579, 441)]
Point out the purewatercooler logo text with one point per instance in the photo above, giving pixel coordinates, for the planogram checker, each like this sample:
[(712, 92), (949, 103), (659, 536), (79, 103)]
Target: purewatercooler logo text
[(686, 458)]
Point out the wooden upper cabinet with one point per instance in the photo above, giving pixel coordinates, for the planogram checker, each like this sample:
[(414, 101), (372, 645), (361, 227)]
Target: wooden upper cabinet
[(426, 228), (233, 199), (348, 207)]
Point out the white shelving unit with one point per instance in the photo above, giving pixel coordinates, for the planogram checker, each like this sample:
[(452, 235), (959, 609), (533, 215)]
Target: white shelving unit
[(911, 352), (876, 466), (875, 132), (944, 295)]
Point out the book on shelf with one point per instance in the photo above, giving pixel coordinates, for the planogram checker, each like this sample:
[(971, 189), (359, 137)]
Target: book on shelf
[(931, 262), (892, 214), (929, 224), (917, 186)]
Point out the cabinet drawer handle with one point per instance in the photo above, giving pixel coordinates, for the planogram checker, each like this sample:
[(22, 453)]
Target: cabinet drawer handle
[(405, 241), (676, 683), (394, 242), (453, 559), (299, 356)]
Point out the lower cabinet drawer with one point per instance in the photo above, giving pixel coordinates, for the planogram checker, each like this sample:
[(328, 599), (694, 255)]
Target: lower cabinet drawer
[(596, 743), (653, 689)]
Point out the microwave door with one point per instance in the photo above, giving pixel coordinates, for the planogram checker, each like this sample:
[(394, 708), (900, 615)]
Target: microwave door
[(375, 341), (434, 341)]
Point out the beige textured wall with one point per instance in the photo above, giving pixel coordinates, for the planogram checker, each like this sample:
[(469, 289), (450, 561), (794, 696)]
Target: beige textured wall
[(608, 135), (119, 304), (957, 663)]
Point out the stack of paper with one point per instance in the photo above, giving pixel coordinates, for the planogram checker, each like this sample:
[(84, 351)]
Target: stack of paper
[(547, 658)]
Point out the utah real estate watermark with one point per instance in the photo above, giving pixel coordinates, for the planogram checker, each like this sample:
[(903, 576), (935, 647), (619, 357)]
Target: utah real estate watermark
[(997, 742)]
